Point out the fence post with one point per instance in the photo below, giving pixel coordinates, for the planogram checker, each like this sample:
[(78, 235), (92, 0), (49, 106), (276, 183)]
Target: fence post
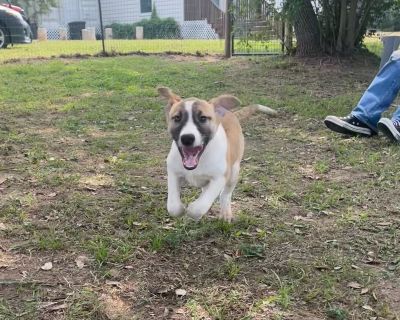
[(228, 29), (102, 28)]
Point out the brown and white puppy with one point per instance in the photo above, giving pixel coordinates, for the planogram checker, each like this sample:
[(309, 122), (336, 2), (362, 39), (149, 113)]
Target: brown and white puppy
[(206, 151)]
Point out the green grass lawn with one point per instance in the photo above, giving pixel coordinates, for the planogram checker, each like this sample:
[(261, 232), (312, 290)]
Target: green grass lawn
[(54, 48), (83, 185)]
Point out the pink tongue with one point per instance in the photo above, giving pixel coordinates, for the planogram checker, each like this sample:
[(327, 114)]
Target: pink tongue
[(190, 156)]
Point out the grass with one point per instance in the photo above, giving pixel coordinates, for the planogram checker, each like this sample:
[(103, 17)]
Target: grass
[(82, 174), (56, 48)]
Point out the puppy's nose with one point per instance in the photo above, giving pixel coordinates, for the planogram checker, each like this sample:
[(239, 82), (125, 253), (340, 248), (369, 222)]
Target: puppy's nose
[(187, 140)]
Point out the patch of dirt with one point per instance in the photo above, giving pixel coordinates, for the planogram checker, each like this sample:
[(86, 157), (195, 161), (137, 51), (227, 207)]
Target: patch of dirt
[(390, 292)]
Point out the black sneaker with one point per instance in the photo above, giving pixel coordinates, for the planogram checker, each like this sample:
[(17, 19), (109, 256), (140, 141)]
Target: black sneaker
[(348, 125), (390, 129)]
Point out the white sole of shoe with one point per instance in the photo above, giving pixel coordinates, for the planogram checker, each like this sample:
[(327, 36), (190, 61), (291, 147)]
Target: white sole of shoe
[(386, 126)]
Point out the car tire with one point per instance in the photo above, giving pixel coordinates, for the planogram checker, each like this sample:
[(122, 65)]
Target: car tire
[(3, 37)]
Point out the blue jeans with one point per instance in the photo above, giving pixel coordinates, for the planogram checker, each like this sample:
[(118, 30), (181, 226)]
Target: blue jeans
[(380, 94)]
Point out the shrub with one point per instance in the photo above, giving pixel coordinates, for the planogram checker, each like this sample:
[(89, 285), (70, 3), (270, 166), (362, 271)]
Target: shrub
[(153, 28)]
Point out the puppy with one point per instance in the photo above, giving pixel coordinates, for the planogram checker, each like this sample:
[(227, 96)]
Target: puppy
[(206, 151)]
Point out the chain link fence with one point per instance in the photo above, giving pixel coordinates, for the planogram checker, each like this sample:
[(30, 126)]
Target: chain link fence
[(79, 27), (90, 27)]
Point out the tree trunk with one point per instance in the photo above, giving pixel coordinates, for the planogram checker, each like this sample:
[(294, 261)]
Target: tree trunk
[(307, 30), (351, 27), (340, 42)]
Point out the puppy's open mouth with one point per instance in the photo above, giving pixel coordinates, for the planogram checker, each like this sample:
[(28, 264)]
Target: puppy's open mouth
[(191, 156)]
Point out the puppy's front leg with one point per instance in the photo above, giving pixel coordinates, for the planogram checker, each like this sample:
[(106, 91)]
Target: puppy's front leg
[(200, 207), (174, 204)]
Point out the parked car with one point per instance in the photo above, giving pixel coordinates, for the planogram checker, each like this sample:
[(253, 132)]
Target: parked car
[(15, 8), (13, 27)]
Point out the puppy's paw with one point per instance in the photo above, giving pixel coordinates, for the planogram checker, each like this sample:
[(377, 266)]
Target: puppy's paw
[(226, 215), (176, 209), (196, 210)]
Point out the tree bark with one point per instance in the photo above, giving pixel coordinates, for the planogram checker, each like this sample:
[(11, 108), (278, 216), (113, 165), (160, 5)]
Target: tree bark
[(342, 26), (307, 30), (351, 27)]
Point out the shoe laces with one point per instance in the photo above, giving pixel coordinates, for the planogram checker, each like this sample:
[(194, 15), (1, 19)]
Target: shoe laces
[(396, 123)]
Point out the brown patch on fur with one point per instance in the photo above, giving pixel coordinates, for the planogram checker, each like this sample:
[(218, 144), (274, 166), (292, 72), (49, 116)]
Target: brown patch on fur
[(233, 130), (234, 134)]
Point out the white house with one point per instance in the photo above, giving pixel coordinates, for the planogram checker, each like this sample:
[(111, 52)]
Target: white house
[(197, 18)]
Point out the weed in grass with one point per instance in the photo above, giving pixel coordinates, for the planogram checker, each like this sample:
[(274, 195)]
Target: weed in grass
[(231, 269), (321, 167), (157, 242), (49, 240), (100, 249), (251, 250), (337, 313), (36, 154), (84, 304)]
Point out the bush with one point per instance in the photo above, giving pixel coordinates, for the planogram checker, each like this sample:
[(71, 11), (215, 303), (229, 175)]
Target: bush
[(153, 28), (122, 31)]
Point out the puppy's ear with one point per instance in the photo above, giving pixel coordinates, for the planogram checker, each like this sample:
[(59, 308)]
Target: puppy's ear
[(168, 94), (226, 101)]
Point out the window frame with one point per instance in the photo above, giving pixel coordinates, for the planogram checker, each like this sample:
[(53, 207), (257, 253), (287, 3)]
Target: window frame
[(141, 8)]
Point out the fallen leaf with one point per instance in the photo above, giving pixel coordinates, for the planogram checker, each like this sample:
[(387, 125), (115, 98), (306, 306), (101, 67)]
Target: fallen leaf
[(137, 224), (227, 257), (180, 311), (364, 290), (90, 189), (180, 292), (300, 218), (113, 283), (47, 266), (354, 285), (58, 307), (2, 226), (52, 195), (128, 267), (367, 307), (354, 266), (384, 224), (163, 291), (337, 268), (80, 261)]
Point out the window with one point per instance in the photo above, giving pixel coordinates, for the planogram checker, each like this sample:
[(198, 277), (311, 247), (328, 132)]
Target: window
[(145, 6), (216, 2)]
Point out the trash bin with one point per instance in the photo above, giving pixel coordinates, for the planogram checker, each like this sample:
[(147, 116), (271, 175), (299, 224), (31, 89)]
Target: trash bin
[(75, 29)]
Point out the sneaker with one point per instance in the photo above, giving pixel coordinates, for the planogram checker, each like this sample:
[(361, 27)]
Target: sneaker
[(390, 129), (348, 125)]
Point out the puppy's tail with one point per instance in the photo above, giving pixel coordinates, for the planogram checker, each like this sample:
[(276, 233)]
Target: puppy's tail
[(246, 112)]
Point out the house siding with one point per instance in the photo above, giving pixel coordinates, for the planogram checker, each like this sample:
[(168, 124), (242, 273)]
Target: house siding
[(123, 11), (72, 10)]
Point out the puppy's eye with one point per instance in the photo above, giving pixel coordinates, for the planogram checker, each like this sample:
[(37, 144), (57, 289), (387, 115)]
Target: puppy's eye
[(203, 119), (176, 118)]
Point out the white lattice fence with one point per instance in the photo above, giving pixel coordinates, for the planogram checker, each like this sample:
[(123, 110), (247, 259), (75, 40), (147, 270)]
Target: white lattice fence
[(199, 29)]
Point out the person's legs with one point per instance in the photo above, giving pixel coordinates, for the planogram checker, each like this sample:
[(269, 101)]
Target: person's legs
[(375, 100), (380, 94)]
